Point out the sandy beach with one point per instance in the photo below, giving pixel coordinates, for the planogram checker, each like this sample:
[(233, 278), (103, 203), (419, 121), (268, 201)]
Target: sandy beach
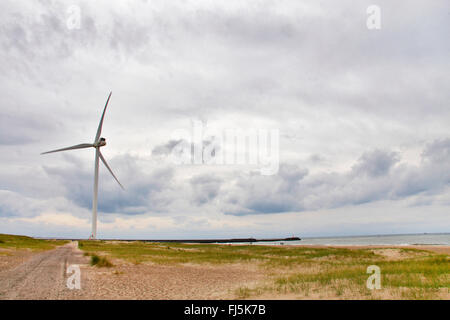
[(194, 280), (191, 281)]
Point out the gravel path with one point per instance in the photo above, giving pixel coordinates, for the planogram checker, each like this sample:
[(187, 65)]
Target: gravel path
[(43, 276)]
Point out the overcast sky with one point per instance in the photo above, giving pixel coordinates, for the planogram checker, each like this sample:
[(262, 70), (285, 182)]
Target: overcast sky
[(362, 116)]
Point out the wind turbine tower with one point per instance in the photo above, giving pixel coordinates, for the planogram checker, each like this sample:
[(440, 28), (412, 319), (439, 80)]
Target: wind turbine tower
[(98, 143)]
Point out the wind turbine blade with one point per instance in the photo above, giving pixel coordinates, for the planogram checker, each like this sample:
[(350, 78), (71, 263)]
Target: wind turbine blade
[(106, 164), (100, 125), (78, 146)]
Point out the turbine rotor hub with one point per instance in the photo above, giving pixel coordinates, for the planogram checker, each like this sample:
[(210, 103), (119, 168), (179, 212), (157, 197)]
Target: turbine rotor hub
[(101, 142)]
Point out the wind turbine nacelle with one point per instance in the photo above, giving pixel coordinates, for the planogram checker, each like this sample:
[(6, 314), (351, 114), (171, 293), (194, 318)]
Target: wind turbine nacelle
[(101, 142)]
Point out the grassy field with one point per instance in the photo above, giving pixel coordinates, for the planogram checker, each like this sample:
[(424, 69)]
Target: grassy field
[(303, 272), (22, 242)]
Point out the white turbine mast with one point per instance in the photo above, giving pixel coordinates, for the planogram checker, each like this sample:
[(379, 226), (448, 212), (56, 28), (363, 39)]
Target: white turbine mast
[(98, 143)]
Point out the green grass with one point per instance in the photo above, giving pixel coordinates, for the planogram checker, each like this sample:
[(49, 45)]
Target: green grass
[(22, 242), (169, 253), (414, 274), (416, 277), (100, 261)]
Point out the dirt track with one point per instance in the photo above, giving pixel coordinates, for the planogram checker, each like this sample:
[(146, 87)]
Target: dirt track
[(42, 276)]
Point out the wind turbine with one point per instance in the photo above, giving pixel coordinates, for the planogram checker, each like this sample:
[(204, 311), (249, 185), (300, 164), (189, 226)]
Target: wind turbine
[(98, 143)]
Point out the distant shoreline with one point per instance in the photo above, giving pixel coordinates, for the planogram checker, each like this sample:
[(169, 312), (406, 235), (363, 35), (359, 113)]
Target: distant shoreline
[(435, 248), (381, 235), (237, 240), (302, 238), (410, 239)]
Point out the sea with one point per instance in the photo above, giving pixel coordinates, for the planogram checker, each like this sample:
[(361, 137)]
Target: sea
[(437, 239)]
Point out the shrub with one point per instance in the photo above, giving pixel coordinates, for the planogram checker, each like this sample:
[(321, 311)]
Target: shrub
[(100, 261)]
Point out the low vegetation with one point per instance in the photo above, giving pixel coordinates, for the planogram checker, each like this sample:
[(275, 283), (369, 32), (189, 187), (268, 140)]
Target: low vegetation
[(303, 272), (100, 261), (426, 277), (22, 242)]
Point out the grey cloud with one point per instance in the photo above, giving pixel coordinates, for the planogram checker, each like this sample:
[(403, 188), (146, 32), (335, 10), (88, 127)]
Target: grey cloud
[(206, 188), (377, 175), (310, 69), (142, 193), (21, 128), (433, 174), (268, 194), (376, 163), (438, 151), (316, 158), (166, 148), (128, 36), (74, 178), (181, 148), (14, 204)]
